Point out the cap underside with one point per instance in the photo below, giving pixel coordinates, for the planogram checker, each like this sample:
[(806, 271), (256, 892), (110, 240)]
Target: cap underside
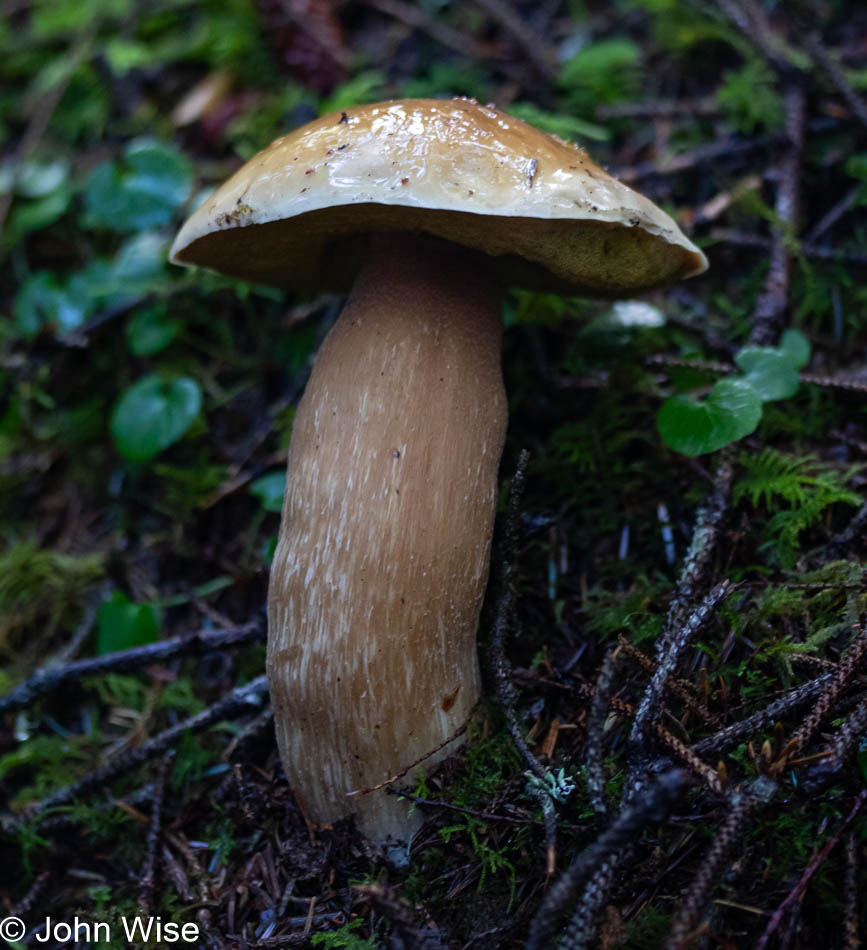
[(324, 249)]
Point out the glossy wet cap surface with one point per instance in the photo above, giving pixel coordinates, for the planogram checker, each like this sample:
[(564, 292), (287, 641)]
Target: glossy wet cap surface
[(298, 213)]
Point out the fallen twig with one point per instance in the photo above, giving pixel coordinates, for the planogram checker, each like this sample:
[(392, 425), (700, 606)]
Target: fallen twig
[(837, 76), (773, 302), (652, 808), (851, 928), (797, 891), (414, 16), (531, 42), (146, 883), (471, 812), (837, 682), (841, 746), (202, 641), (500, 667), (808, 249), (728, 735), (595, 733), (660, 108), (649, 709), (676, 687), (831, 216), (242, 699), (387, 902), (742, 804)]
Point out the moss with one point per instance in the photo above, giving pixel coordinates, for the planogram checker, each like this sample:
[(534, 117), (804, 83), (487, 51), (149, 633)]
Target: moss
[(40, 587)]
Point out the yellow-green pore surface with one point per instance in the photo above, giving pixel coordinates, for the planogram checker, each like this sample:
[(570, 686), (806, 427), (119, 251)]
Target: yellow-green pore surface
[(299, 213)]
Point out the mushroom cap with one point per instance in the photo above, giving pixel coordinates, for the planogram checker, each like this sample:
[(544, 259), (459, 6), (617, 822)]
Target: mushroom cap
[(300, 212)]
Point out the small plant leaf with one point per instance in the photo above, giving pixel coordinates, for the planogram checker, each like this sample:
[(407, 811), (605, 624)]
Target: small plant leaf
[(39, 212), (150, 331), (42, 301), (603, 72), (121, 624), (796, 347), (731, 411), (142, 191), (269, 490), (141, 259), (769, 371), (153, 414), (37, 179)]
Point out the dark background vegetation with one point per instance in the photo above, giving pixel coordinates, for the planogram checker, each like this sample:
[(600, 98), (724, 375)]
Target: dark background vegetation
[(145, 412)]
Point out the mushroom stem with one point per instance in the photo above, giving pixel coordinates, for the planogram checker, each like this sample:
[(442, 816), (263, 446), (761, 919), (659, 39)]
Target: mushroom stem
[(381, 566)]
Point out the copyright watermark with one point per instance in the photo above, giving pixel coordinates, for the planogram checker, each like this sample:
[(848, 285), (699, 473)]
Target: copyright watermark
[(12, 929), (138, 929)]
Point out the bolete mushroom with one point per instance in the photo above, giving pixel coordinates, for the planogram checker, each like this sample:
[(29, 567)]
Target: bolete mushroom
[(427, 209)]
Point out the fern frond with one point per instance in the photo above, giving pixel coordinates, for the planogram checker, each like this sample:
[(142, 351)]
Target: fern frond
[(771, 475), (796, 491)]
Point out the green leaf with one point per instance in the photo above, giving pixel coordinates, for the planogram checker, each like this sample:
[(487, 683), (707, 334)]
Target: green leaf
[(268, 548), (750, 99), (771, 372), (150, 331), (269, 490), (602, 73), (566, 125), (38, 213), (796, 347), (731, 411), (153, 414), (140, 260), (41, 300), (35, 179), (121, 624), (142, 191), (856, 166), (123, 55), (64, 18), (363, 87)]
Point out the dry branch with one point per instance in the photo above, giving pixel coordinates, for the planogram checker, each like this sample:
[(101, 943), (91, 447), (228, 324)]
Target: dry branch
[(202, 641), (742, 804), (243, 699), (650, 809), (796, 894)]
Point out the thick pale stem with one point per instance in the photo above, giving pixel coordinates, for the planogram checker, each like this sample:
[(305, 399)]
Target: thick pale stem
[(379, 574)]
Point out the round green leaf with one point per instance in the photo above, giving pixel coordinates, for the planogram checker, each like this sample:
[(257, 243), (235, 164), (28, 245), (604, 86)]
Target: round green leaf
[(42, 301), (269, 490), (731, 411), (796, 347), (771, 373), (150, 331), (34, 215), (121, 624), (142, 191), (856, 166), (141, 259), (153, 414), (160, 170), (268, 549), (36, 179)]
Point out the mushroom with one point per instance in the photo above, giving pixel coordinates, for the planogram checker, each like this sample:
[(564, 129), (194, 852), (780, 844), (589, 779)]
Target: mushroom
[(427, 209)]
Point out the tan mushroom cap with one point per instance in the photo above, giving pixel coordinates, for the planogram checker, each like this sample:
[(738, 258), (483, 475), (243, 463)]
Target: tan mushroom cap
[(298, 214)]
